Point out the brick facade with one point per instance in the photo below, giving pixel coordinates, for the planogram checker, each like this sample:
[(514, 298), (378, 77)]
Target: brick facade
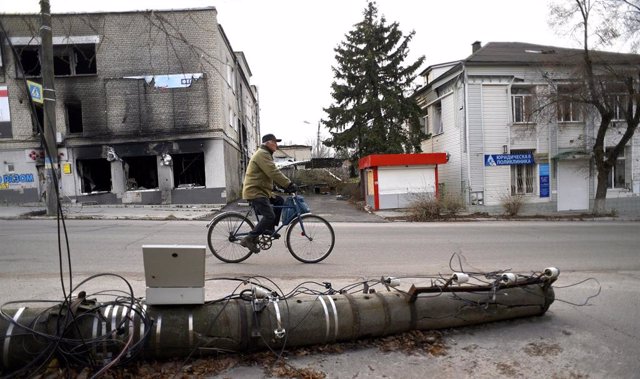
[(132, 107)]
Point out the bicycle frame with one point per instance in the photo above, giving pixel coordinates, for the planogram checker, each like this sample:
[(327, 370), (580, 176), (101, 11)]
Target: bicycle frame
[(295, 206), (308, 237)]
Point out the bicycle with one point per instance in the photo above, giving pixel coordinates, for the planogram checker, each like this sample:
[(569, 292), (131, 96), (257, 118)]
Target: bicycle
[(308, 237)]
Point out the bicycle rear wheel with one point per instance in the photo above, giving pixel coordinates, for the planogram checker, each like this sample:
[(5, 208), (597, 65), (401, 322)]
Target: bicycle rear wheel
[(312, 244), (224, 237)]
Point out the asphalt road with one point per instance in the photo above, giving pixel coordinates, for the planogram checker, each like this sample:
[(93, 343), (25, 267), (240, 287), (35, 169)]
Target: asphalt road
[(597, 341)]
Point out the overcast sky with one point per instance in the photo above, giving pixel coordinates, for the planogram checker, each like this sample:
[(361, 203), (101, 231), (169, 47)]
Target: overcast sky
[(289, 43)]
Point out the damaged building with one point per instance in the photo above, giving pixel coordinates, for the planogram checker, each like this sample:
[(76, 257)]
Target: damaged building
[(152, 107)]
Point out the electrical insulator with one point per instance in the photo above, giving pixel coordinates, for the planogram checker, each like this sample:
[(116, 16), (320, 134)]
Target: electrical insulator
[(460, 277), (551, 272), (392, 282), (508, 278)]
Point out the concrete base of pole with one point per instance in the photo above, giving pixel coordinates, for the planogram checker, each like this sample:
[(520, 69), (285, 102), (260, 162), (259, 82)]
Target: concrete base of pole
[(159, 332)]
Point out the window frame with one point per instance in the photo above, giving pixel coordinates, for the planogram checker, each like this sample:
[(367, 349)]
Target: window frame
[(618, 101), (524, 176), (437, 124), (68, 118), (64, 55), (615, 170), (525, 107), (568, 106)]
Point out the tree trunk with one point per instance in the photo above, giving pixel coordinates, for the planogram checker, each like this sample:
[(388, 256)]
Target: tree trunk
[(599, 206)]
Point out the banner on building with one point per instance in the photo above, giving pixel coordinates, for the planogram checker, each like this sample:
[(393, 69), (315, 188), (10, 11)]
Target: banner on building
[(544, 179), (508, 159), (5, 115)]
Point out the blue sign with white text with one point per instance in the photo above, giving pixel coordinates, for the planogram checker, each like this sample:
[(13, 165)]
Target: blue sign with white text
[(544, 179), (507, 159)]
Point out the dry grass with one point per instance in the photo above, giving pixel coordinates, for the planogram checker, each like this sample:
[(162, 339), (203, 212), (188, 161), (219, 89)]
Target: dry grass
[(427, 207), (512, 204)]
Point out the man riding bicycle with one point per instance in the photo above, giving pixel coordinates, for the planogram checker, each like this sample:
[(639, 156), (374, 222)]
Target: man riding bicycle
[(258, 190)]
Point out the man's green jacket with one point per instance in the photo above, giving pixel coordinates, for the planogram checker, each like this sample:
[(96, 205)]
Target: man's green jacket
[(261, 173)]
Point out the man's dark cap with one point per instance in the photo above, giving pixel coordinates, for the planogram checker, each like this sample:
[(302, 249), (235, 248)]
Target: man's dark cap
[(269, 137)]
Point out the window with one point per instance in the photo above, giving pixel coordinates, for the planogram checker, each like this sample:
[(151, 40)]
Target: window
[(619, 102), (522, 105), (424, 122), (568, 111), (617, 177), (568, 107), (74, 117), (30, 60), (229, 72), (38, 120), (95, 175), (68, 60), (522, 176), (437, 126), (141, 172), (188, 170)]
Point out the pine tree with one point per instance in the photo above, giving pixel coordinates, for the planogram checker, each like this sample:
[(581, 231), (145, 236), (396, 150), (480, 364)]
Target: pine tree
[(373, 112)]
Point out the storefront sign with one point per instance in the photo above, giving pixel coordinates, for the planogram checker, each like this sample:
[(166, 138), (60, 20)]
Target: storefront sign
[(544, 179), (7, 180), (507, 159)]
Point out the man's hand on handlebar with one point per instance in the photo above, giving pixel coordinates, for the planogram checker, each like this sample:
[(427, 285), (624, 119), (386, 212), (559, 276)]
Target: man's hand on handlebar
[(291, 188)]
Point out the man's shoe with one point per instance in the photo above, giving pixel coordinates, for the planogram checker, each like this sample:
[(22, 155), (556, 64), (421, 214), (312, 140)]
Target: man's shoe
[(250, 243), (271, 234)]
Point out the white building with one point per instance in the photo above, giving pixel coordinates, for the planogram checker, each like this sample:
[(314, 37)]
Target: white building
[(476, 111)]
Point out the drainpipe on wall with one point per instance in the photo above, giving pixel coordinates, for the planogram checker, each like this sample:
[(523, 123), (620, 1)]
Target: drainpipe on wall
[(466, 128)]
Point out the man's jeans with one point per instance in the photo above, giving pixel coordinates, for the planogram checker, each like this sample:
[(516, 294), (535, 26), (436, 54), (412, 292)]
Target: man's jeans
[(270, 216)]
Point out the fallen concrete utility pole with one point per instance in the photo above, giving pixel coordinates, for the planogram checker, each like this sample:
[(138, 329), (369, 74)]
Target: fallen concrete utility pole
[(260, 320)]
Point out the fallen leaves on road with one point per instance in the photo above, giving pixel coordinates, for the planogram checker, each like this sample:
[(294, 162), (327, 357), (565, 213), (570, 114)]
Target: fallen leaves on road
[(413, 342)]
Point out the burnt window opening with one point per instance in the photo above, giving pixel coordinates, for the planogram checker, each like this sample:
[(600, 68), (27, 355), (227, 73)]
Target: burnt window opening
[(62, 61), (188, 170), (74, 117), (95, 175), (37, 120), (85, 56), (30, 61), (141, 172), (68, 60)]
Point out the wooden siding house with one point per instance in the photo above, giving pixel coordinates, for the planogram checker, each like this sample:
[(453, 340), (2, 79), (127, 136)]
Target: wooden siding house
[(479, 112)]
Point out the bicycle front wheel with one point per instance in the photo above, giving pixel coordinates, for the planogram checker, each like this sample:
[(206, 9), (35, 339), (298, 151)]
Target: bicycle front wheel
[(224, 237), (310, 238)]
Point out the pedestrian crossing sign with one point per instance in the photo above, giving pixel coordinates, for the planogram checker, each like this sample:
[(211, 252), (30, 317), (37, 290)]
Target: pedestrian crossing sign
[(35, 90)]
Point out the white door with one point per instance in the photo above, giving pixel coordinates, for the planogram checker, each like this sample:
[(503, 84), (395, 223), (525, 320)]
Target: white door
[(573, 185)]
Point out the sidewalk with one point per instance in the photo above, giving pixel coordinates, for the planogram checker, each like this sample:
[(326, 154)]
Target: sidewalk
[(328, 206), (114, 212)]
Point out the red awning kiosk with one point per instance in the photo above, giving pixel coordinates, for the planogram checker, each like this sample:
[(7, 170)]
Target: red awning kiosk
[(393, 180)]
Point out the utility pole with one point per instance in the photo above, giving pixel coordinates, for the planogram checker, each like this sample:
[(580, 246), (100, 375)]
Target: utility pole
[(49, 108)]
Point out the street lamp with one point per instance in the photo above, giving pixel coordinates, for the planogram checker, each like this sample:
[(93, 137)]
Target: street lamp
[(317, 138)]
